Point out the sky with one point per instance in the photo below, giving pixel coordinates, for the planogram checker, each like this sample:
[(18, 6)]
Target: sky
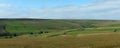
[(60, 9)]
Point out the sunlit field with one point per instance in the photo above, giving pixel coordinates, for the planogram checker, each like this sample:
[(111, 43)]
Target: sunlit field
[(111, 40), (59, 23), (59, 34)]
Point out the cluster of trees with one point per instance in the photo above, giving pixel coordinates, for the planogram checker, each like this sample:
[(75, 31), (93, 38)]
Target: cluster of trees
[(11, 35), (41, 32), (6, 34)]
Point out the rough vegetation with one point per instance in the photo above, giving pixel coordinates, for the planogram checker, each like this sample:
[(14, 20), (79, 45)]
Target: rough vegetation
[(45, 33)]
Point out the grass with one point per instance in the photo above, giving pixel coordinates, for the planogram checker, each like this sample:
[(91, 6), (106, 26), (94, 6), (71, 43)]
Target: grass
[(90, 41), (38, 25), (57, 27), (92, 30), (62, 34)]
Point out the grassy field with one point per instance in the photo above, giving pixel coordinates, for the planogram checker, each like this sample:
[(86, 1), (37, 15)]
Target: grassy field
[(111, 40), (93, 30), (33, 33)]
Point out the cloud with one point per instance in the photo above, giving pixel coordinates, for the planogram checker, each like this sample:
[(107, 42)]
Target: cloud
[(5, 5), (7, 10), (104, 9)]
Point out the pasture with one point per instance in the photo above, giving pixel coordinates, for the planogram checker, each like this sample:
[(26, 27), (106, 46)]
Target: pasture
[(111, 40), (32, 33)]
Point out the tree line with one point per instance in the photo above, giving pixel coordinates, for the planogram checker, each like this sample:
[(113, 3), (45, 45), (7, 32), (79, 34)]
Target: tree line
[(7, 34)]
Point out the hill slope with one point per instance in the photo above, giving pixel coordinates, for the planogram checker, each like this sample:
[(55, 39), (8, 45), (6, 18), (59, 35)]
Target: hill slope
[(24, 26)]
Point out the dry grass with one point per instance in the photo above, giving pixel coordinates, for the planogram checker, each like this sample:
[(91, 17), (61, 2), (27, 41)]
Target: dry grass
[(89, 41)]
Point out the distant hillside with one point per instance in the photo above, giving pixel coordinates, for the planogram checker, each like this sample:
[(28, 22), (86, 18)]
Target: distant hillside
[(57, 24), (36, 25)]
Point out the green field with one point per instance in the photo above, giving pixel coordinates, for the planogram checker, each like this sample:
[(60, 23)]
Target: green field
[(42, 33), (26, 27), (111, 40)]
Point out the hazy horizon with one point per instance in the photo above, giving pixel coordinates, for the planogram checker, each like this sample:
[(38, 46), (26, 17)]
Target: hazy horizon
[(60, 9)]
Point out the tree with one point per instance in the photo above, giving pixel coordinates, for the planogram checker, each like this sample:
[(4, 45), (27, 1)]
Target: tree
[(31, 33), (46, 31), (41, 32), (115, 30), (15, 35)]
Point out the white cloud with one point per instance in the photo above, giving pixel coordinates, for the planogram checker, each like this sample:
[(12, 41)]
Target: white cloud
[(105, 9), (6, 10), (108, 9), (5, 5)]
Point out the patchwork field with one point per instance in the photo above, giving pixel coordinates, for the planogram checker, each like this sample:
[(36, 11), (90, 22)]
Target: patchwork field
[(41, 33)]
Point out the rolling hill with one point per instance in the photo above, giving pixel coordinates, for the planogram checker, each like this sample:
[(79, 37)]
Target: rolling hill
[(35, 26)]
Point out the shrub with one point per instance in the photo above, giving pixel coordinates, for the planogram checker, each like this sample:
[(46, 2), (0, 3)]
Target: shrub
[(115, 30), (31, 33)]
